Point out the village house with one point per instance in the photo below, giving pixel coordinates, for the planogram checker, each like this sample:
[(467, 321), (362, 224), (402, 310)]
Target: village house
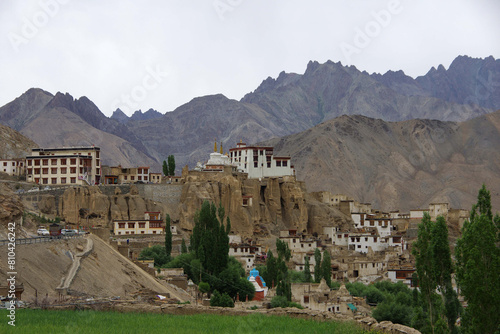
[(260, 162), (155, 177), (319, 297), (13, 167), (245, 253), (151, 224), (122, 175), (65, 165)]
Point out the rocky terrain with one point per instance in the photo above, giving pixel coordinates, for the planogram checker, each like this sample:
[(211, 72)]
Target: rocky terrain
[(14, 144), (399, 165), (62, 121), (293, 103)]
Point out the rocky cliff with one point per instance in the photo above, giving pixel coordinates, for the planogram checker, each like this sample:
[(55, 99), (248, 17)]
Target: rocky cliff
[(255, 208)]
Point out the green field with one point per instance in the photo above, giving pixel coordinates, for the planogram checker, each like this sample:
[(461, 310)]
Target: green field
[(73, 322)]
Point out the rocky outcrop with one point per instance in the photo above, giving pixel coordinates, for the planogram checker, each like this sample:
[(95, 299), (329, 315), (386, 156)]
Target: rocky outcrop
[(11, 206), (88, 206), (254, 207)]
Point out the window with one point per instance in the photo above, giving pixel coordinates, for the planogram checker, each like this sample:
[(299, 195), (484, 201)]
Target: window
[(97, 154), (29, 162), (139, 178), (63, 180), (278, 163), (132, 177), (45, 171), (285, 163), (37, 162), (72, 161), (45, 180), (45, 162), (145, 178), (54, 180), (63, 161), (37, 170), (131, 225), (72, 170), (53, 170), (306, 299), (63, 170), (5, 163), (53, 162), (30, 171), (142, 225), (73, 180), (255, 164), (268, 165), (121, 225)]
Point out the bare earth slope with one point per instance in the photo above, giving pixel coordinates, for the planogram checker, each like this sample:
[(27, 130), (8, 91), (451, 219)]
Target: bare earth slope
[(13, 144), (104, 273), (399, 165)]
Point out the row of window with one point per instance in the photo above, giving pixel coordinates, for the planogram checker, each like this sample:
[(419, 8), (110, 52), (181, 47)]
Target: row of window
[(132, 178), (5, 164), (53, 162), (141, 225), (53, 170), (53, 180)]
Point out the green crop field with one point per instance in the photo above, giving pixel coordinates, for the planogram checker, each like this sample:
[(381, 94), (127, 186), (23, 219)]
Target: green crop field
[(73, 322)]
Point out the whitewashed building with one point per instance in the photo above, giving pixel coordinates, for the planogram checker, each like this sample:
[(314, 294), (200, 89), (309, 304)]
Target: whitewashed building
[(64, 165), (260, 162)]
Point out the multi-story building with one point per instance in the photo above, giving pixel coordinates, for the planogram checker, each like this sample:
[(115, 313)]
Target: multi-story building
[(260, 162), (13, 167), (151, 224), (120, 175), (64, 165)]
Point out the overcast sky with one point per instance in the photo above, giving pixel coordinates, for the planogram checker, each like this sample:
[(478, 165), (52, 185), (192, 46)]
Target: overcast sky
[(161, 54)]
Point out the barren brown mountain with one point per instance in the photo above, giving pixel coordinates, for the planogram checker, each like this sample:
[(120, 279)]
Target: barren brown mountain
[(399, 165), (54, 121)]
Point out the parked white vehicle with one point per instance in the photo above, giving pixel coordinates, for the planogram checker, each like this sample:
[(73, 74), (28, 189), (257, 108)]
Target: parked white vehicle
[(43, 232)]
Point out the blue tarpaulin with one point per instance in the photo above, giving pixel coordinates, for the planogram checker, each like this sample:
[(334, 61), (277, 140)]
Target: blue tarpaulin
[(352, 307)]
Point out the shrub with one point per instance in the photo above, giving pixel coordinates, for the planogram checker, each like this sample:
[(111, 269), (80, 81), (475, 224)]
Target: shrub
[(221, 300), (294, 304), (279, 301)]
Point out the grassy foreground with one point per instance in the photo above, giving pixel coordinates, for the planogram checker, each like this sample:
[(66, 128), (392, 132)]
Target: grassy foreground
[(40, 321)]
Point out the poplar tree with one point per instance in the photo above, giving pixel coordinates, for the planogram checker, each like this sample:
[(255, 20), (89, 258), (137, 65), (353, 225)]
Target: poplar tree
[(171, 165), (317, 265), (442, 268), (183, 247), (326, 267), (422, 251), (307, 270), (478, 267), (165, 168), (168, 237)]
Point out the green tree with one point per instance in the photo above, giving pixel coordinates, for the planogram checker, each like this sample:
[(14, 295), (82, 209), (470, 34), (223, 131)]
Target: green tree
[(283, 250), (168, 237), (307, 270), (422, 251), (210, 238), (171, 165), (326, 267), (204, 287), (442, 270), (317, 265), (271, 272), (183, 247), (165, 168), (156, 253), (478, 268)]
